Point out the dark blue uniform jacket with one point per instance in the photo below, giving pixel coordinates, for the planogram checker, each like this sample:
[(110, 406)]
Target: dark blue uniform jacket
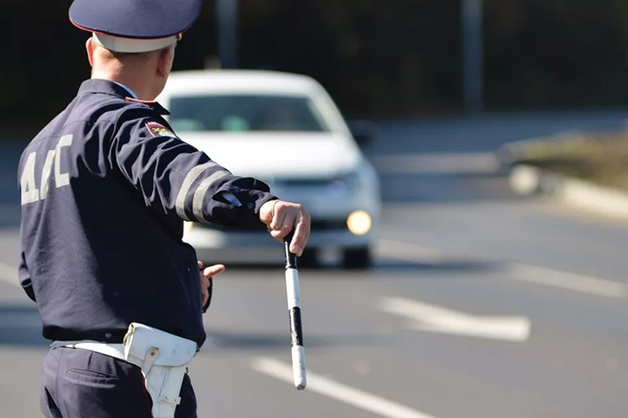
[(104, 190)]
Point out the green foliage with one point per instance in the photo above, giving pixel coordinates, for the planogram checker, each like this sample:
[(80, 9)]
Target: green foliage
[(559, 53), (401, 58), (374, 60)]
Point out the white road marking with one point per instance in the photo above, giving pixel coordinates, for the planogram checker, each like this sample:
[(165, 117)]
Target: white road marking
[(565, 280), (338, 391), (514, 271), (439, 163), (434, 318), (409, 252), (8, 274)]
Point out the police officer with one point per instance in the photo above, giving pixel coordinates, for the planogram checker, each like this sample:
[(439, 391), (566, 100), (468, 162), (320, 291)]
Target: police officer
[(105, 187)]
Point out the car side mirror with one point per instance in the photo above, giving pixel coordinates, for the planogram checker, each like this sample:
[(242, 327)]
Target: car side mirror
[(363, 131)]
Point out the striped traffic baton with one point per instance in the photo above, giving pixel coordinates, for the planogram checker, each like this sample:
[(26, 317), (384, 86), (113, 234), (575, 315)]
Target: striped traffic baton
[(294, 307)]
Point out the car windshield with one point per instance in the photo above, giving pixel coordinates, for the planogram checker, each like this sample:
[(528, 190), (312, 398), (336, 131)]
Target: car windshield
[(245, 113)]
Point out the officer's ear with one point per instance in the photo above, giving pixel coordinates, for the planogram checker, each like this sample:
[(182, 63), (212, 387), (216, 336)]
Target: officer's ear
[(166, 58), (89, 47)]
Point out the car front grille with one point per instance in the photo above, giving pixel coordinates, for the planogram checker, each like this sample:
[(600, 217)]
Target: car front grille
[(305, 182)]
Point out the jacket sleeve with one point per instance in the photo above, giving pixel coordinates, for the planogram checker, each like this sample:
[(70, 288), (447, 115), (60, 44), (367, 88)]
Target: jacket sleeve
[(25, 278), (177, 178)]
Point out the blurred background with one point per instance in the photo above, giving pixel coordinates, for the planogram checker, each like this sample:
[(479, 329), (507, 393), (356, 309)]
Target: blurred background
[(405, 59), (499, 285)]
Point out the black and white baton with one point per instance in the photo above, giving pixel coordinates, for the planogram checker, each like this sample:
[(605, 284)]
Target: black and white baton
[(294, 306)]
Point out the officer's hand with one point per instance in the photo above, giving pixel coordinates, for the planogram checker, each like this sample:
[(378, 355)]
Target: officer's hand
[(206, 280), (282, 218)]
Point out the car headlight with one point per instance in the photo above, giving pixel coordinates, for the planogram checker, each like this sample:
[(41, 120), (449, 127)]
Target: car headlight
[(344, 184), (359, 222)]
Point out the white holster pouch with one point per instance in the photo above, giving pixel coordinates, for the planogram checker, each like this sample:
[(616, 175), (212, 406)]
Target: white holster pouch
[(163, 358)]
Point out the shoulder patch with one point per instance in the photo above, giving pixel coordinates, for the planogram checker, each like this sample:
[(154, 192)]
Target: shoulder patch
[(157, 129)]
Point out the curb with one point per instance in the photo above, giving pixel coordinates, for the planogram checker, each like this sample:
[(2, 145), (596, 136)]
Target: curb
[(527, 180)]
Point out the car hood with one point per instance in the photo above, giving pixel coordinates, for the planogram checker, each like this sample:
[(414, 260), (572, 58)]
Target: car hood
[(278, 154)]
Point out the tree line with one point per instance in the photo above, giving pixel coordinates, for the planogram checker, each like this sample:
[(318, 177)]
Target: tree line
[(401, 58)]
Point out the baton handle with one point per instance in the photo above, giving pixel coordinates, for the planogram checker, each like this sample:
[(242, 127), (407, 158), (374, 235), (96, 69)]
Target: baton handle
[(291, 258), (294, 308)]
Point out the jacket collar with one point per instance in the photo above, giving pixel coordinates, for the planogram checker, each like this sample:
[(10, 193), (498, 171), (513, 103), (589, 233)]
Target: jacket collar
[(114, 89)]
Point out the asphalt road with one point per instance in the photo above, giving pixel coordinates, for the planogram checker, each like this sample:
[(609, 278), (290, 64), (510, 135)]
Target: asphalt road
[(481, 304)]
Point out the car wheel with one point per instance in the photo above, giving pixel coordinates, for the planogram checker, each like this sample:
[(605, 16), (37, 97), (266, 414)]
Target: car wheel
[(356, 258), (309, 258)]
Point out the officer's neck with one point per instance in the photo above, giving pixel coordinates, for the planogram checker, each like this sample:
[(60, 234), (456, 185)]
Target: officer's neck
[(142, 89)]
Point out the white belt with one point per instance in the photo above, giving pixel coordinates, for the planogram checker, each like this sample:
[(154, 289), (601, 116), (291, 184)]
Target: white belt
[(162, 357), (111, 350)]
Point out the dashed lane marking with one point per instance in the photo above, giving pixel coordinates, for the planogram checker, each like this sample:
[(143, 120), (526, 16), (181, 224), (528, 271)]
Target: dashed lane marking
[(338, 391), (432, 318), (565, 280), (514, 271)]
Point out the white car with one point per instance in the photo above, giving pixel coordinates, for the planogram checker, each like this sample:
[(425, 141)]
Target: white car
[(285, 130)]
